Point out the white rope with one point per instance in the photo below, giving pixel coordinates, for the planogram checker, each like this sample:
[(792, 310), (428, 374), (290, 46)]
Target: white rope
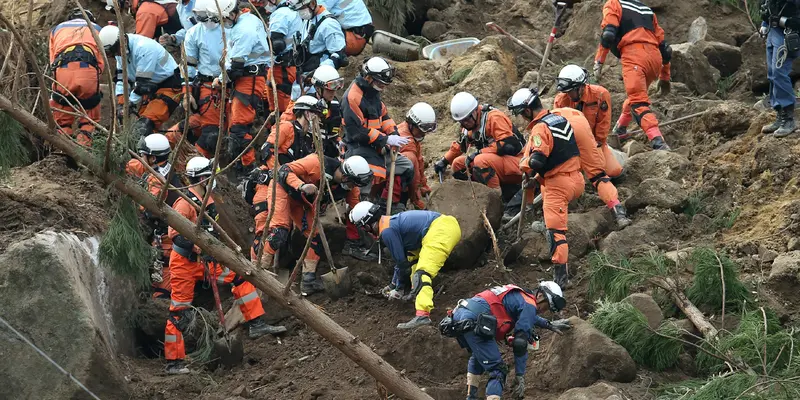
[(63, 371)]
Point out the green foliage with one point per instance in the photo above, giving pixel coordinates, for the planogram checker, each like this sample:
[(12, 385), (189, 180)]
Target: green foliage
[(706, 289), (460, 75), (723, 85), (12, 150), (203, 326), (627, 326), (721, 218), (615, 279), (123, 247), (394, 11), (716, 388)]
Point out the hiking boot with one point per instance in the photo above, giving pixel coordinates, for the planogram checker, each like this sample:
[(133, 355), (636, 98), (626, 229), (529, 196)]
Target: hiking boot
[(621, 215), (258, 327), (311, 284), (353, 248), (658, 143), (508, 217), (771, 128), (561, 275), (788, 125), (415, 322), (621, 132), (177, 367)]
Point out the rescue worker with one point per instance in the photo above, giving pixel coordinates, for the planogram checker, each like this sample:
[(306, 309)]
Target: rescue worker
[(498, 146), (76, 64), (155, 18), (187, 18), (296, 139), (591, 125), (284, 25), (298, 183), (356, 22), (420, 121), (780, 26), (326, 81), (420, 242), (631, 32), (503, 314), (552, 153), (247, 62), (157, 86), (187, 266), (323, 40), (370, 132)]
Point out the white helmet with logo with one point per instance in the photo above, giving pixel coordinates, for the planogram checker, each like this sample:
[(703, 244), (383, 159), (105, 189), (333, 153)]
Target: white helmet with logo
[(378, 69), (198, 166), (357, 169), (554, 294), (423, 116), (109, 36), (155, 144), (521, 99), (309, 103), (462, 105), (571, 77), (364, 213)]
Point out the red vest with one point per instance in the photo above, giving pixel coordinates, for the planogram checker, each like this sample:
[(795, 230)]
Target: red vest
[(494, 297)]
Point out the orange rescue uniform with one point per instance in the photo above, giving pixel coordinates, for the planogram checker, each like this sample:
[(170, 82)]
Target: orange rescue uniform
[(150, 16), (413, 151)]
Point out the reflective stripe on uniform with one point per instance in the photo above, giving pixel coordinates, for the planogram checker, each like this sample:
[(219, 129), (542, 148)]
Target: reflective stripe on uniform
[(223, 275), (639, 8), (170, 338), (246, 298), (180, 303)]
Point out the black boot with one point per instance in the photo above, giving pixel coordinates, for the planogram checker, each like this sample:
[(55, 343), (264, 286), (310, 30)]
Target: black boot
[(177, 367), (258, 327), (355, 249), (621, 215), (788, 125), (658, 143), (561, 275), (311, 284), (771, 128)]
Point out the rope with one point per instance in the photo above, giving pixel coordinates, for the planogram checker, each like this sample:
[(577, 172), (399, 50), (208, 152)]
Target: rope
[(781, 56), (41, 353)]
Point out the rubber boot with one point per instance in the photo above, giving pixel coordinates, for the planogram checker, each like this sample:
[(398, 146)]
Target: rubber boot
[(658, 143), (258, 327), (267, 259), (311, 284), (561, 275), (771, 128), (788, 125), (353, 248), (176, 367), (621, 215), (621, 132), (472, 392), (416, 322)]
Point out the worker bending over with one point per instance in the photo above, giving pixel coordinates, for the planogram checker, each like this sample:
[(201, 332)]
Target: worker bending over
[(355, 20), (420, 121)]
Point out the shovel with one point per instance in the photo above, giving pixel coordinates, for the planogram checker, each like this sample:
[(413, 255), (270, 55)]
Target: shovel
[(337, 283), (559, 11), (390, 195), (229, 348)]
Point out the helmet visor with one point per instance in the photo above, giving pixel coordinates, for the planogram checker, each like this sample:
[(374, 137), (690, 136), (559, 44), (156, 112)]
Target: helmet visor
[(201, 16), (427, 127), (565, 85), (386, 76), (335, 84)]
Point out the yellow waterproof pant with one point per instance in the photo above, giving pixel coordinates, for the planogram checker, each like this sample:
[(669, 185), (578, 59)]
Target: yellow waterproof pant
[(443, 235)]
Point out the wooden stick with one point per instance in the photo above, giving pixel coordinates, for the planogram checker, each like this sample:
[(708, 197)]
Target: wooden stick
[(390, 196), (494, 27), (674, 121), (335, 207), (486, 223)]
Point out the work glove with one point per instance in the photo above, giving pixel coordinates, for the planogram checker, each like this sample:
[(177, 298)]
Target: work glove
[(396, 140), (189, 103), (560, 325), (518, 392), (664, 87), (308, 189), (763, 31), (167, 40), (394, 294), (597, 70), (470, 158), (386, 290), (440, 166)]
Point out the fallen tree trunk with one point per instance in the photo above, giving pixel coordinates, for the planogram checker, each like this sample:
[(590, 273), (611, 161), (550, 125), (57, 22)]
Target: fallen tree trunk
[(304, 310), (693, 314)]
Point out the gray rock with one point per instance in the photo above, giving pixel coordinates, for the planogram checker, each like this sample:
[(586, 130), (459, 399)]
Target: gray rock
[(724, 57), (528, 80), (656, 164), (582, 356), (598, 391), (793, 244), (691, 67), (786, 266), (679, 256), (766, 255), (432, 30), (651, 227), (701, 223), (698, 30), (729, 118), (644, 303), (634, 147), (659, 192), (483, 80), (70, 307)]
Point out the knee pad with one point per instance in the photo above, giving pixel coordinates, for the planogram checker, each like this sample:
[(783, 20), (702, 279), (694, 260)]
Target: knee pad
[(181, 318), (483, 175), (208, 138), (552, 242), (638, 115), (278, 237), (460, 175), (601, 177), (417, 282), (316, 245)]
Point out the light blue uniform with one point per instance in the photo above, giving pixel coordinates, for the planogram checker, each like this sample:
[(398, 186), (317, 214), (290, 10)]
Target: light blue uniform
[(186, 17), (288, 22), (328, 38), (146, 59), (204, 49), (349, 13), (247, 41)]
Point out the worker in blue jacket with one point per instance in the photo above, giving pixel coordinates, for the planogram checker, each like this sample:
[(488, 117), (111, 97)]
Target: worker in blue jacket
[(356, 22), (505, 314), (420, 242), (285, 26), (184, 9), (323, 38)]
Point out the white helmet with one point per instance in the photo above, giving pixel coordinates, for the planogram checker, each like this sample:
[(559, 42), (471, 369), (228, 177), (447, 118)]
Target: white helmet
[(462, 105), (226, 6), (109, 36), (198, 166), (521, 99), (378, 69), (155, 144), (423, 116), (357, 169), (298, 4), (309, 103), (554, 294), (204, 7), (326, 76), (364, 213), (571, 77)]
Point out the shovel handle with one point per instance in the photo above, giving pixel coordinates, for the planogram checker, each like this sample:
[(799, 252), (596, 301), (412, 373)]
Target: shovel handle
[(215, 289), (390, 195), (494, 27)]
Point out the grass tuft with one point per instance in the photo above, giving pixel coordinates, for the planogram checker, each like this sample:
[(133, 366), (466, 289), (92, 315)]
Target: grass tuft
[(12, 149), (706, 288), (460, 75), (123, 247), (615, 279)]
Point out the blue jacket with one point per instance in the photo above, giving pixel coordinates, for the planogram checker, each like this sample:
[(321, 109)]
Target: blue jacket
[(247, 41), (286, 21), (146, 59), (204, 49), (405, 232), (186, 17), (349, 13), (328, 38)]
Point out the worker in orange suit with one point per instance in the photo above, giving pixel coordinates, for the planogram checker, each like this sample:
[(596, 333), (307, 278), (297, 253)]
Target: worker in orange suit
[(552, 153), (297, 185), (420, 120), (498, 146), (187, 266), (591, 120), (155, 18), (77, 65), (631, 32)]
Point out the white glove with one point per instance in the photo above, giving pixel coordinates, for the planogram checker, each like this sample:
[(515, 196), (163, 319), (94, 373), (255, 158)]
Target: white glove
[(597, 70), (394, 295), (763, 31), (396, 140), (308, 189)]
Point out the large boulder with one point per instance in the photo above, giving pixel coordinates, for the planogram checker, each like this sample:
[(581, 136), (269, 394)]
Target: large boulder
[(580, 357), (414, 351), (698, 30), (598, 391), (651, 227), (648, 307), (482, 82), (433, 30), (454, 197), (656, 164), (691, 67), (786, 267), (71, 308), (582, 231), (492, 48), (659, 192), (724, 57), (730, 119)]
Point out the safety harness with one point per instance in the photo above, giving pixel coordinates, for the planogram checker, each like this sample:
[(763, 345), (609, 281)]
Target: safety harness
[(564, 144), (634, 15), (84, 55), (479, 139), (494, 296), (184, 246)]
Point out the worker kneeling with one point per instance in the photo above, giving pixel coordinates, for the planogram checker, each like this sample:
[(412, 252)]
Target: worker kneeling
[(420, 242), (502, 314), (187, 266)]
